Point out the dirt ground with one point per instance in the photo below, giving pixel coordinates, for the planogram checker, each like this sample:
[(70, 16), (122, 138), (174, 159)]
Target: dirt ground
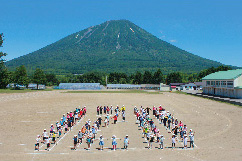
[(217, 126)]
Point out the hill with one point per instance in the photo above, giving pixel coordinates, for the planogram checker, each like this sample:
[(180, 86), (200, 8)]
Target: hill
[(117, 45)]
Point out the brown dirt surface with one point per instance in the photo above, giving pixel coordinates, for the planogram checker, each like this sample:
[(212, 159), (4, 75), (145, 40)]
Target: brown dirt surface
[(217, 126)]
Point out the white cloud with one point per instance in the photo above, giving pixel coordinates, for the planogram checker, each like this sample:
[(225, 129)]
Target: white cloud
[(190, 51), (162, 37), (173, 40)]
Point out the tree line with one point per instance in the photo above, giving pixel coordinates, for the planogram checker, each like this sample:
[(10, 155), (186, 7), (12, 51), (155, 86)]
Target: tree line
[(20, 76)]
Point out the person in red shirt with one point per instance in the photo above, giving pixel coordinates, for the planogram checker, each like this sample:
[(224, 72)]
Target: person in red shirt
[(160, 108), (154, 110), (137, 115), (85, 110), (115, 118), (108, 110)]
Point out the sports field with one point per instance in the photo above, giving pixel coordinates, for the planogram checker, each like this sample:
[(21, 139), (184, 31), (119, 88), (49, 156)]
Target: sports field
[(217, 126)]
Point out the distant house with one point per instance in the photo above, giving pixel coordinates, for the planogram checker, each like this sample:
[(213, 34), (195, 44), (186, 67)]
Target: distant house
[(224, 83), (16, 86), (176, 86), (199, 85), (164, 87), (189, 86), (11, 85), (34, 86)]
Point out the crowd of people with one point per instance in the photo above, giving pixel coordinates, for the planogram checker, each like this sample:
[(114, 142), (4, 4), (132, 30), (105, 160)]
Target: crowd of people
[(88, 133), (151, 132), (61, 127), (89, 130), (106, 110)]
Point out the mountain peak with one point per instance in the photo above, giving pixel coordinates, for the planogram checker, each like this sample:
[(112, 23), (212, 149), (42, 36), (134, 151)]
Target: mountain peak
[(115, 45)]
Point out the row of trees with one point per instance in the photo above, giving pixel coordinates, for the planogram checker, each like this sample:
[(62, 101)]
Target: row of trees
[(20, 77), (115, 78), (140, 78)]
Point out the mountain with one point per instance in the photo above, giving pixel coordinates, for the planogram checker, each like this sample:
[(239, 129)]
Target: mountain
[(113, 46)]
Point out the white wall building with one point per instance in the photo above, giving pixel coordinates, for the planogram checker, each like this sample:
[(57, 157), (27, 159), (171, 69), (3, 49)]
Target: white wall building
[(189, 86), (164, 87), (224, 83)]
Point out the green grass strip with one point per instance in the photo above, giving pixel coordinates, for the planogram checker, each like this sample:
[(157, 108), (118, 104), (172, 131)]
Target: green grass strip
[(123, 91), (22, 90)]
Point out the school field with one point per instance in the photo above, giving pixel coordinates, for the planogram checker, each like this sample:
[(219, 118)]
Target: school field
[(217, 126)]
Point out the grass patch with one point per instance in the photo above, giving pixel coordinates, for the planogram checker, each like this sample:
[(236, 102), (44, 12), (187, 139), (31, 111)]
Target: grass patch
[(180, 92), (22, 90), (124, 91), (15, 91)]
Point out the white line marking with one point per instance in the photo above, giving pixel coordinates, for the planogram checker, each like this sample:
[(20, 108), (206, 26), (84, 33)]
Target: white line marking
[(36, 153), (30, 121), (196, 145), (65, 135), (48, 153)]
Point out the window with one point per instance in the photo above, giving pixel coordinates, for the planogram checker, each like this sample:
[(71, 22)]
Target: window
[(230, 84), (217, 83), (223, 83), (212, 83), (208, 83)]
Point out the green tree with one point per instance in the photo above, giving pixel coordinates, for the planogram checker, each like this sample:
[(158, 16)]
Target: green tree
[(147, 77), (117, 77), (158, 77), (123, 81), (175, 77), (192, 77), (92, 77), (4, 75), (138, 78), (20, 76), (39, 77), (4, 78), (51, 79)]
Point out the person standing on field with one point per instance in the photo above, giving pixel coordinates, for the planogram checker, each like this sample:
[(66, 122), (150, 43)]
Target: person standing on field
[(97, 110), (126, 142)]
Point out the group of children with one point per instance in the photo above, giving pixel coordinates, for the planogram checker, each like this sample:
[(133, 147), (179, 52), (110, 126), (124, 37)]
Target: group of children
[(63, 126), (152, 133), (90, 140), (89, 132), (106, 110)]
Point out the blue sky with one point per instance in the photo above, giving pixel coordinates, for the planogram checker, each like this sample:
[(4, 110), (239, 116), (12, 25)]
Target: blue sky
[(209, 28)]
